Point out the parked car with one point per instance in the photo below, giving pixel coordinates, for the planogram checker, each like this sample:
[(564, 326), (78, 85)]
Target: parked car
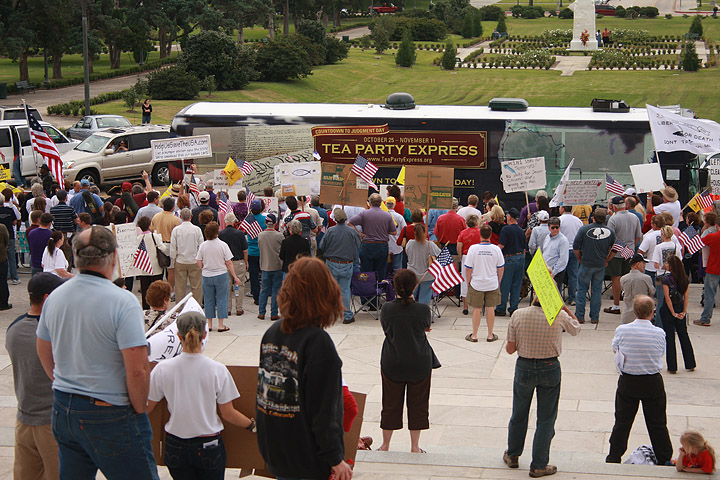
[(14, 131), (384, 8), (17, 112), (100, 159), (604, 9), (90, 124)]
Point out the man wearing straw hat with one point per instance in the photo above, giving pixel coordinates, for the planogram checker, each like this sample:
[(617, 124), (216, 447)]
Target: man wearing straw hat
[(670, 204)]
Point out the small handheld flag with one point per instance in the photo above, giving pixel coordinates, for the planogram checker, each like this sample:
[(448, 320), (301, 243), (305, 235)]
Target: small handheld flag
[(44, 146), (251, 226), (444, 272), (612, 186), (365, 169), (316, 155), (625, 252), (693, 244), (141, 259)]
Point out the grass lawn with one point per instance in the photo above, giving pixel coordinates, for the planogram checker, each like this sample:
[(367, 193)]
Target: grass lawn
[(430, 85)]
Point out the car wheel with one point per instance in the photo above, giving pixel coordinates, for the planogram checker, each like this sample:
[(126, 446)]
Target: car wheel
[(89, 175), (161, 174)]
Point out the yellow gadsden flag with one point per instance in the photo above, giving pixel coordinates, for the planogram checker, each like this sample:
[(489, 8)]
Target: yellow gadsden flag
[(694, 204), (401, 177), (232, 171), (544, 287)]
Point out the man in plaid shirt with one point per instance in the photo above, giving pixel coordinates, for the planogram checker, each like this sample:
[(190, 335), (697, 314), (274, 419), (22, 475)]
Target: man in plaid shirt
[(538, 345)]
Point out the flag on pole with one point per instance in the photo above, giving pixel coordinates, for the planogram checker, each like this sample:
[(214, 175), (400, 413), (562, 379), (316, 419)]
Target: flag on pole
[(444, 272), (45, 147), (316, 155), (141, 259), (192, 186), (625, 252), (693, 244), (705, 199), (557, 197), (365, 169), (672, 132), (401, 176), (612, 186), (223, 205), (251, 226)]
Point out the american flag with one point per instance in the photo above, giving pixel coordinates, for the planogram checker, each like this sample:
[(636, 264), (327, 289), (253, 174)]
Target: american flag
[(223, 205), (44, 146), (693, 244), (141, 259), (316, 155), (249, 196), (365, 169), (625, 252), (245, 167), (444, 272), (251, 226), (612, 186), (705, 199), (192, 186)]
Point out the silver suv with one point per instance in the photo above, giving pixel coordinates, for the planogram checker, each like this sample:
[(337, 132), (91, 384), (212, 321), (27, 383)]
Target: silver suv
[(117, 154)]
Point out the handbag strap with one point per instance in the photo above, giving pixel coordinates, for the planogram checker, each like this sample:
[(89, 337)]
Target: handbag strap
[(152, 235)]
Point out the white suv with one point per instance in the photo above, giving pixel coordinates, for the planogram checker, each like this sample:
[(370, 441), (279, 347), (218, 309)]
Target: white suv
[(14, 137), (100, 159)]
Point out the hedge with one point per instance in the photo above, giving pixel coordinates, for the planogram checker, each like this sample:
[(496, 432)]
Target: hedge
[(75, 107)]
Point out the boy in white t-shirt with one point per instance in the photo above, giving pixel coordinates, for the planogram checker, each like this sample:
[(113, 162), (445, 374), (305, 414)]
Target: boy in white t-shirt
[(484, 265)]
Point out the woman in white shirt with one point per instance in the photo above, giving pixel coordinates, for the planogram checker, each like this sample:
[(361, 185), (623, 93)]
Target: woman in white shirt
[(665, 250), (153, 242), (53, 259), (196, 388), (419, 250), (215, 259)]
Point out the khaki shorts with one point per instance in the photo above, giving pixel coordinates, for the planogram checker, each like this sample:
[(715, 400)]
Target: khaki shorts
[(617, 267), (477, 299)]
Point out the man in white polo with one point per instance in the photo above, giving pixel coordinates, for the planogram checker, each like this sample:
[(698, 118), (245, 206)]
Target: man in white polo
[(484, 266)]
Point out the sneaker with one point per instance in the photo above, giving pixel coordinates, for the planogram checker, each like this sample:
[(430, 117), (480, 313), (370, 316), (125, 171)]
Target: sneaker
[(594, 320), (248, 294), (500, 313), (16, 281), (701, 323), (614, 311), (571, 303), (541, 472), (511, 462), (349, 320)]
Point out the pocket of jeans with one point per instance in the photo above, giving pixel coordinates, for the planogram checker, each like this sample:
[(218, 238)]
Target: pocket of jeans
[(173, 455), (214, 457), (109, 437), (551, 376), (522, 376)]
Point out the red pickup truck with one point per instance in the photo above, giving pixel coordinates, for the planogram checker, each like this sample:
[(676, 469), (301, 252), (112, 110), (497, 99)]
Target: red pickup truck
[(385, 8)]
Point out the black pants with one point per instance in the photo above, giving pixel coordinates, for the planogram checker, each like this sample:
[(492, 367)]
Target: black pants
[(200, 458), (418, 400), (671, 325), (145, 281), (631, 390), (4, 291)]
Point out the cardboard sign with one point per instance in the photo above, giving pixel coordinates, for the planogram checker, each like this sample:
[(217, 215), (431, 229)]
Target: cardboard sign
[(545, 287), (523, 175), (5, 174), (647, 177), (127, 243), (197, 146), (240, 444), (578, 192), (220, 181), (713, 167), (337, 185), (302, 178), (429, 187)]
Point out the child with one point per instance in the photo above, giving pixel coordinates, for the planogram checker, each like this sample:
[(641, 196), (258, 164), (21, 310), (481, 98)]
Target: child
[(696, 456), (196, 388)]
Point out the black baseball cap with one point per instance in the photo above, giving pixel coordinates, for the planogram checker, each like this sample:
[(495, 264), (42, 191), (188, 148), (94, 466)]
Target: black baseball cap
[(637, 258), (43, 284), (513, 212)]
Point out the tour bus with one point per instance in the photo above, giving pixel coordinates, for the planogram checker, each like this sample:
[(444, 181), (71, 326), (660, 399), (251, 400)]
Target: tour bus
[(471, 139)]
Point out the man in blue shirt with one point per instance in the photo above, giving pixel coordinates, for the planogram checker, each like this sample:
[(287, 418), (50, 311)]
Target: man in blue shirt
[(554, 252), (86, 201), (512, 244), (341, 247)]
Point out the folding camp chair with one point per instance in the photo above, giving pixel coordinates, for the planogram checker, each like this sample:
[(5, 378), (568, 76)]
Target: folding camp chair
[(367, 293)]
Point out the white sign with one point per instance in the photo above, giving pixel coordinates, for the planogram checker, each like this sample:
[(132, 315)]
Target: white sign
[(384, 192), (672, 132), (166, 344), (220, 181), (270, 206), (647, 177), (713, 167), (304, 177), (523, 175), (127, 243), (180, 148), (578, 192)]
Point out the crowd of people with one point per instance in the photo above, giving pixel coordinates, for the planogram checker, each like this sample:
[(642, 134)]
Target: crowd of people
[(101, 379)]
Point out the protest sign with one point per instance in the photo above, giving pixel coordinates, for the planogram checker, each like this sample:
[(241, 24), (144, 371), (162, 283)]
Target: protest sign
[(166, 344), (384, 192), (302, 178), (271, 205), (180, 148), (578, 192), (713, 167), (647, 177), (5, 174), (429, 187), (220, 181), (544, 287), (523, 174), (127, 243), (337, 186), (672, 132)]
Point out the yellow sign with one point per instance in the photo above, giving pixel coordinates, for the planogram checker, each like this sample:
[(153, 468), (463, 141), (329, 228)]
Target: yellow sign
[(544, 287), (401, 177), (5, 174), (232, 171), (694, 205), (167, 192)]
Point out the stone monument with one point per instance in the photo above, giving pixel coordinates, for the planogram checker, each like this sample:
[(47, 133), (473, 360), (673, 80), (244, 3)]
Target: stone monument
[(583, 23)]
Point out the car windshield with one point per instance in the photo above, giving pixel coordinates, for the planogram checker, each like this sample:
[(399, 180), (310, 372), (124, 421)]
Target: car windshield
[(93, 144), (107, 122)]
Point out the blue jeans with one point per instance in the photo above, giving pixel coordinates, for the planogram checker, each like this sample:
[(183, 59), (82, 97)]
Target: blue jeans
[(531, 375), (114, 439), (215, 294), (145, 118), (511, 283), (373, 258), (271, 283), (659, 297), (17, 173), (342, 272), (589, 278), (397, 261), (572, 276), (423, 292), (254, 271), (195, 458), (710, 289), (12, 261)]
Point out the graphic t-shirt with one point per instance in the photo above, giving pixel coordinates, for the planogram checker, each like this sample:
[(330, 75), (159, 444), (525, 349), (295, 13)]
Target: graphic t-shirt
[(594, 241), (484, 259), (662, 254)]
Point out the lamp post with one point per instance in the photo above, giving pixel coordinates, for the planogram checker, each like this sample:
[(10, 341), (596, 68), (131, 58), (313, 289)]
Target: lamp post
[(86, 66)]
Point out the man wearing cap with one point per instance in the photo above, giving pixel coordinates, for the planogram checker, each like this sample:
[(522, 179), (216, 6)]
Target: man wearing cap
[(512, 244), (185, 240), (569, 226), (447, 229), (270, 242), (554, 248), (36, 451), (538, 234), (235, 239), (204, 198), (101, 377), (395, 250), (528, 210), (86, 201), (309, 225), (341, 246), (254, 271), (152, 208), (47, 179), (635, 283), (137, 192), (670, 204), (628, 233)]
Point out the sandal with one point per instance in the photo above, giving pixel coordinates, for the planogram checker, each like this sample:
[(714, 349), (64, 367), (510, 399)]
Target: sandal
[(210, 329), (223, 329), (421, 451), (470, 338), (493, 339)]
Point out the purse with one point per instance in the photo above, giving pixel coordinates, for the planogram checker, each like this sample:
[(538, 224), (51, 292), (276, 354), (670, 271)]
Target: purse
[(162, 258)]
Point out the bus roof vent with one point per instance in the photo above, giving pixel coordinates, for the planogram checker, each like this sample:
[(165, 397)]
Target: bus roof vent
[(400, 101), (603, 105), (508, 104)]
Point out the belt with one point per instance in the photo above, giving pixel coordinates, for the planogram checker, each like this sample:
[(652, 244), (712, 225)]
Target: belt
[(551, 359), (95, 401), (370, 241), (339, 261), (513, 254)]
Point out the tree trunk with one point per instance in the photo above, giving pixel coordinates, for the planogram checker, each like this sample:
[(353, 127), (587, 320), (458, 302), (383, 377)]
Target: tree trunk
[(23, 64), (336, 17), (271, 25), (240, 33), (295, 21), (162, 41), (114, 56), (325, 19), (286, 18), (57, 66), (90, 64)]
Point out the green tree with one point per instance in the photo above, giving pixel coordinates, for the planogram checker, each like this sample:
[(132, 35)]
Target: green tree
[(215, 53), (406, 54), (382, 28), (467, 27), (696, 26), (173, 83), (690, 61), (18, 37), (448, 57), (501, 26), (452, 12), (282, 59), (208, 84), (243, 13), (477, 23), (335, 50)]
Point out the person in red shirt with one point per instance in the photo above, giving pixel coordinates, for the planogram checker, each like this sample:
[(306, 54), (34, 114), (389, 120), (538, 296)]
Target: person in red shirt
[(712, 276), (394, 191), (448, 227), (695, 456)]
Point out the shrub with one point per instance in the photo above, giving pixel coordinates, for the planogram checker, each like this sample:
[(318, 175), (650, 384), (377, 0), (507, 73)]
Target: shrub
[(477, 23), (491, 12), (501, 26), (313, 30), (335, 50), (406, 54), (567, 13), (282, 59), (620, 11), (690, 61), (382, 28), (649, 12), (516, 11), (532, 12), (208, 84), (130, 98), (448, 57), (696, 26), (173, 84)]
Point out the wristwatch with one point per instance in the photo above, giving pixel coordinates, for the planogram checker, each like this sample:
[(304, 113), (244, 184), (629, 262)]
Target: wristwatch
[(253, 426)]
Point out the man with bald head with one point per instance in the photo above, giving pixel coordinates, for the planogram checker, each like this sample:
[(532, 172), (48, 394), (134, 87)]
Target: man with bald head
[(91, 342)]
